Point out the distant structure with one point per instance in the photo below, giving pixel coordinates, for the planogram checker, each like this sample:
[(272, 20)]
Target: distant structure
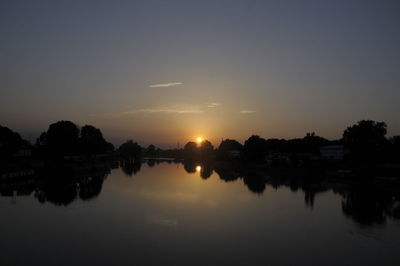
[(233, 154), (23, 152), (332, 152)]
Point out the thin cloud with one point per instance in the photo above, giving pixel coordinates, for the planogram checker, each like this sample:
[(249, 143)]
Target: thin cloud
[(167, 110), (213, 105), (247, 111), (165, 85)]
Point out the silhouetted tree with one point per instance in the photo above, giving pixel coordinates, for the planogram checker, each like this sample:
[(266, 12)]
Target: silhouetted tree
[(395, 148), (92, 141), (254, 148), (206, 149), (312, 143), (151, 151), (62, 138), (130, 150), (276, 145), (42, 140), (226, 146), (366, 140), (10, 142), (190, 150)]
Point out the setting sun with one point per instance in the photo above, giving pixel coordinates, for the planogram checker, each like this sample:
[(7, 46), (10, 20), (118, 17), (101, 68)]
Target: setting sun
[(199, 140)]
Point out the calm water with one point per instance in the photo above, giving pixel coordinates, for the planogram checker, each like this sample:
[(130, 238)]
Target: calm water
[(169, 214)]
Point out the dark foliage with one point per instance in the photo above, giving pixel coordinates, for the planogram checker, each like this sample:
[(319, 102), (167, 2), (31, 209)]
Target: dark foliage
[(62, 138), (206, 149), (151, 151), (190, 150), (226, 147), (254, 148), (10, 142), (130, 150), (366, 140), (65, 138), (92, 141)]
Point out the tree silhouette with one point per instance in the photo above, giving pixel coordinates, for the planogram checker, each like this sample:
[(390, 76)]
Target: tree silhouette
[(62, 138), (206, 149), (395, 148), (10, 142), (254, 148), (151, 150), (130, 150), (312, 143), (42, 140), (92, 141), (190, 150), (366, 140), (227, 146)]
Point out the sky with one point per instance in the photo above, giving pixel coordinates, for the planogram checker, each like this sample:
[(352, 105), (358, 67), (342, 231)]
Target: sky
[(165, 72)]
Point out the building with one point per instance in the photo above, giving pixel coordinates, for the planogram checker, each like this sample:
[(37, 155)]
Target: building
[(233, 154), (332, 152)]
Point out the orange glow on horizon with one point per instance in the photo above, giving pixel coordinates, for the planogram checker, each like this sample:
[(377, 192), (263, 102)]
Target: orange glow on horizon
[(199, 140)]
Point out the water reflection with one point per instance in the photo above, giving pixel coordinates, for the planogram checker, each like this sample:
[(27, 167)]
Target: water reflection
[(131, 167), (60, 185), (365, 205), (370, 207)]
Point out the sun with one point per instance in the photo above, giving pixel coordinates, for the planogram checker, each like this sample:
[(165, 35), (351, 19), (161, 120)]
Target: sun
[(198, 168), (199, 140)]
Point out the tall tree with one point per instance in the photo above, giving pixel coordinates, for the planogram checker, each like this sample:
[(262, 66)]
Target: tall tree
[(226, 146), (10, 142), (254, 148), (190, 150), (92, 141), (206, 149), (130, 150), (366, 140), (62, 138)]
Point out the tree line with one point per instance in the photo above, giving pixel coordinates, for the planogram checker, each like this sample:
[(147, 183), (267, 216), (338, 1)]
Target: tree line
[(364, 141)]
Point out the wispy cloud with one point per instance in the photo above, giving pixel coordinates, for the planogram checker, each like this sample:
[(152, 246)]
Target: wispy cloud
[(177, 109), (213, 105), (167, 109), (165, 85), (163, 221), (247, 111)]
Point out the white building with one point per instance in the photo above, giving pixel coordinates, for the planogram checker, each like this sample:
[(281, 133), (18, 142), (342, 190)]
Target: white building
[(332, 152)]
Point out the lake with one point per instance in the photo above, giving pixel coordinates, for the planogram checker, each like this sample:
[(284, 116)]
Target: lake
[(175, 214)]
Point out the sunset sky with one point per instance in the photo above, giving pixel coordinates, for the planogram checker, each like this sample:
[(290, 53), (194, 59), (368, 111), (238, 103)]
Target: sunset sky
[(165, 72)]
